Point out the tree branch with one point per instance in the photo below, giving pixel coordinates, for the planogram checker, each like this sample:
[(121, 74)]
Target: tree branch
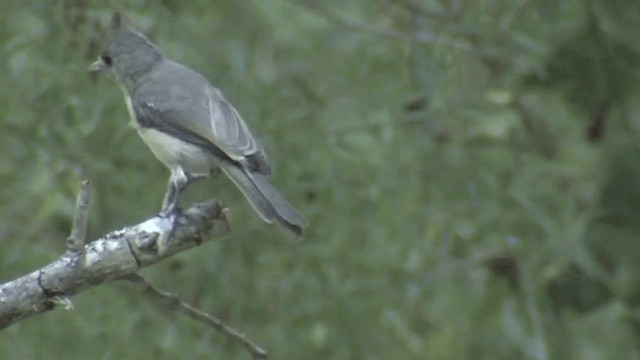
[(118, 255), (113, 256)]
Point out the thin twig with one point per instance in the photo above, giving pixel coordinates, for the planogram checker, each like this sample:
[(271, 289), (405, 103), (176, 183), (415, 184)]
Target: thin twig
[(78, 237), (172, 302)]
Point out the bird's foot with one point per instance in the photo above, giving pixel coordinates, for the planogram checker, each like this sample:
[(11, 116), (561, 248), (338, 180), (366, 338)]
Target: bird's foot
[(172, 215), (172, 212)]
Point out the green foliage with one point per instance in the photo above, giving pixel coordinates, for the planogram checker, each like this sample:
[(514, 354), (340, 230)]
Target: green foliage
[(438, 149)]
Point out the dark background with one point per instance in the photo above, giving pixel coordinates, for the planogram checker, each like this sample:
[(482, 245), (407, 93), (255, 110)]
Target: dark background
[(470, 170)]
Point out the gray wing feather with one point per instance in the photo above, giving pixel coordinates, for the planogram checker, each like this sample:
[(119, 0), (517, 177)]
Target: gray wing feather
[(191, 105), (232, 135)]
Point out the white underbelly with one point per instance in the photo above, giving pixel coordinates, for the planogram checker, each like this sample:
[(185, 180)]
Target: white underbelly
[(173, 152)]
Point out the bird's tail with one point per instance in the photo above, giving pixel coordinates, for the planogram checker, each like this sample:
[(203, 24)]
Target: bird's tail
[(265, 199)]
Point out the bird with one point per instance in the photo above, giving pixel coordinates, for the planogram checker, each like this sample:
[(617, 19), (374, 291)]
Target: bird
[(189, 125)]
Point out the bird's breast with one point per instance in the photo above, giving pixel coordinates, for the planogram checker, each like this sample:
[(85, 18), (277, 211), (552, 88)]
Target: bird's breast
[(174, 152)]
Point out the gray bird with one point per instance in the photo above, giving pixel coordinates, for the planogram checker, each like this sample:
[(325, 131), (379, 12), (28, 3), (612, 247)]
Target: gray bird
[(189, 125)]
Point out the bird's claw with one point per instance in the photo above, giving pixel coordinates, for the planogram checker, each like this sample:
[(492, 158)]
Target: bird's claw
[(171, 215)]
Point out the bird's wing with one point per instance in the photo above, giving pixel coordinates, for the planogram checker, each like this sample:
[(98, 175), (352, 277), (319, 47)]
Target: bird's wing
[(149, 115), (196, 112), (230, 132)]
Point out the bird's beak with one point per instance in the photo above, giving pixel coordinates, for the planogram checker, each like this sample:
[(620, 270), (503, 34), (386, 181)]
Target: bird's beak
[(96, 66)]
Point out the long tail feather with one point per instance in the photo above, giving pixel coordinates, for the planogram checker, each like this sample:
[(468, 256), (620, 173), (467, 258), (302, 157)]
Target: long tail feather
[(265, 199)]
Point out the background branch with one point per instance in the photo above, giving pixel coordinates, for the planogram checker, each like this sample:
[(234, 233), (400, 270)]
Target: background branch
[(314, 7)]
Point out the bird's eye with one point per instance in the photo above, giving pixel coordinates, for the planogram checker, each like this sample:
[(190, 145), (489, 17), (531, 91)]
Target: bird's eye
[(106, 59)]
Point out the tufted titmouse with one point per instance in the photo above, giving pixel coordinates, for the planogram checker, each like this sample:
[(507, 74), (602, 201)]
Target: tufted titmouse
[(189, 125)]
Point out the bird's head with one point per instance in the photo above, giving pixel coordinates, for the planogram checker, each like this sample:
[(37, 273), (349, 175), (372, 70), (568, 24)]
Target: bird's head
[(127, 54)]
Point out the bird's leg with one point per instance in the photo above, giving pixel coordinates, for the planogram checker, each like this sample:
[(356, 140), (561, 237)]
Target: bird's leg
[(193, 178), (178, 181), (213, 173)]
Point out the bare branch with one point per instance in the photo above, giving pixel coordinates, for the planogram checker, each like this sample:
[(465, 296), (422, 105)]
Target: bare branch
[(113, 256), (172, 302), (118, 255)]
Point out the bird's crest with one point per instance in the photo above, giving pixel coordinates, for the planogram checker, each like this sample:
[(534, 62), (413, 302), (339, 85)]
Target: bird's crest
[(118, 20)]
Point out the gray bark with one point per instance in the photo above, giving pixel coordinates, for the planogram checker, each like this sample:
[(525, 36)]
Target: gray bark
[(113, 256)]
